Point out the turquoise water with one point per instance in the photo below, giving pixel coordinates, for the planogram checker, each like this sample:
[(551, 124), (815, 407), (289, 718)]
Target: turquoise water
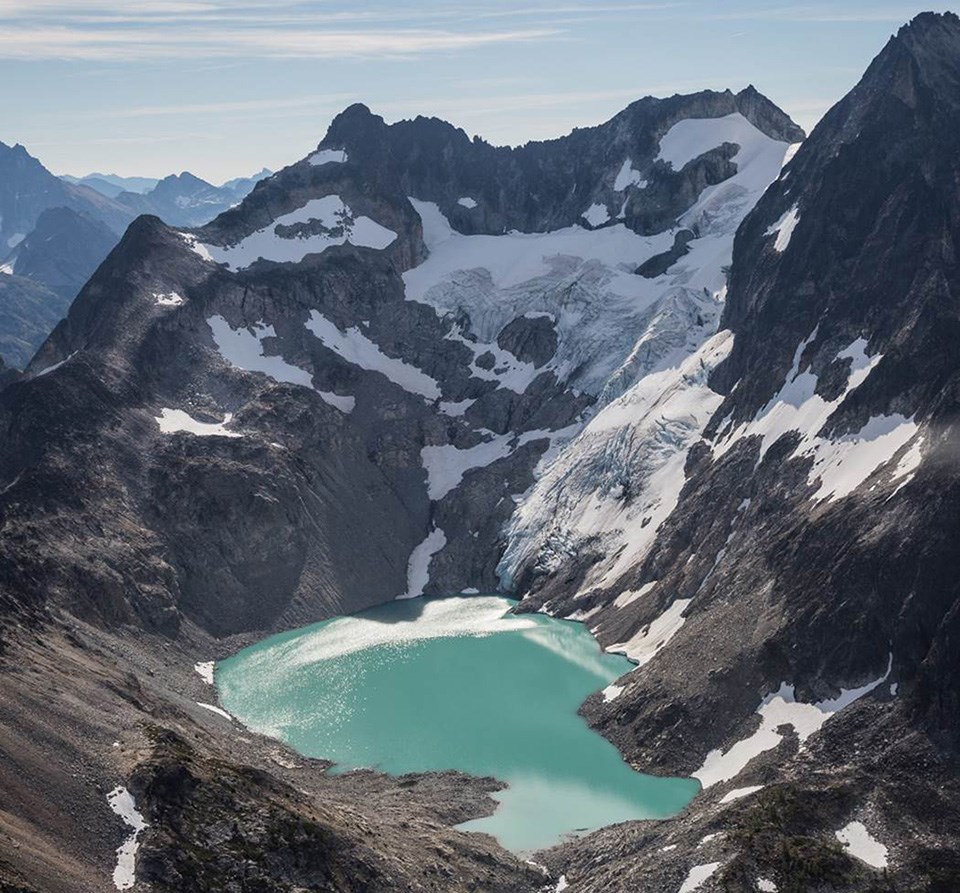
[(455, 683)]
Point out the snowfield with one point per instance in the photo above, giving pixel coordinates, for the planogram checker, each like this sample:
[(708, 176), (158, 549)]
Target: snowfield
[(122, 803), (330, 215)]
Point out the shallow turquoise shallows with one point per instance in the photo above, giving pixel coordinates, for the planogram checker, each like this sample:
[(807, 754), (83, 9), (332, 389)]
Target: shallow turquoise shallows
[(455, 683)]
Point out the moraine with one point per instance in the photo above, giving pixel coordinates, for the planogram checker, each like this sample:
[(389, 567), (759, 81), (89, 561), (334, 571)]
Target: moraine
[(455, 683)]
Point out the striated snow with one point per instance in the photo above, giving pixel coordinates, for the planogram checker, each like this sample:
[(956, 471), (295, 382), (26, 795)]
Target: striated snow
[(214, 709), (205, 670), (784, 228), (776, 710), (737, 793), (172, 421), (697, 876), (418, 566), (356, 348), (328, 156), (843, 464), (860, 843), (596, 215), (839, 465), (121, 801), (467, 202), (908, 465), (628, 176), (338, 226), (55, 366), (644, 645), (171, 299)]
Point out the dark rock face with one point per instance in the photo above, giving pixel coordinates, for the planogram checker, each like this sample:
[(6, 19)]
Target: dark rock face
[(659, 265), (815, 534), (530, 340)]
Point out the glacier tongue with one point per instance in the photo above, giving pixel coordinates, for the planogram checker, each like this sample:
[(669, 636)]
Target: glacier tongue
[(643, 348)]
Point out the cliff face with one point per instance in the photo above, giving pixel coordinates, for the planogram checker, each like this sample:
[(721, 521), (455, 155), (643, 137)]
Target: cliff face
[(804, 578)]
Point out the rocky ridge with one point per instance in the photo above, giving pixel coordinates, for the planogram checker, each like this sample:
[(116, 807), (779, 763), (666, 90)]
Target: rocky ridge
[(364, 346)]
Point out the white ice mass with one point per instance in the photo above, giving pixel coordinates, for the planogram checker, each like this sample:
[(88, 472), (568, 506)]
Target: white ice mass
[(122, 803), (332, 219)]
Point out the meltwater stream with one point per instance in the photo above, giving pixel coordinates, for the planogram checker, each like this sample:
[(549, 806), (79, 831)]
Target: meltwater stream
[(455, 683)]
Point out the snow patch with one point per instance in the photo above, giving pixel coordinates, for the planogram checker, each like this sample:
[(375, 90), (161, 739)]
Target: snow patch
[(693, 137), (644, 645), (213, 708), (328, 156), (844, 464), (766, 886), (330, 214), (197, 247), (244, 349), (446, 465), (121, 801), (171, 299), (839, 465), (784, 228), (860, 843), (418, 566), (629, 596), (737, 793), (205, 670), (776, 710), (907, 466), (173, 421), (467, 202), (596, 215), (56, 366), (612, 692), (356, 348), (698, 876), (628, 176), (346, 404)]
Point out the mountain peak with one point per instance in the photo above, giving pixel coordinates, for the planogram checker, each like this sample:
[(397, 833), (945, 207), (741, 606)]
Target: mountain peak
[(925, 52), (354, 124)]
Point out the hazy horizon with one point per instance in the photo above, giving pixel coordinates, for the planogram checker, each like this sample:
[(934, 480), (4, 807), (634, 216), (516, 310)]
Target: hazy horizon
[(224, 89)]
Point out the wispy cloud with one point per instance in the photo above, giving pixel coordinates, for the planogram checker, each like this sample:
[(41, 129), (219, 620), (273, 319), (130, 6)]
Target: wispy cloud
[(119, 44)]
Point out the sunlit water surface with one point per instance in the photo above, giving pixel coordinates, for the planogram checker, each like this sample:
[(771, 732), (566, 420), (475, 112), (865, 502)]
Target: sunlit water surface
[(455, 683)]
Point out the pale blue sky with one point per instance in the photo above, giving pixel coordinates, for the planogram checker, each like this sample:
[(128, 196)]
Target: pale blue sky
[(150, 87)]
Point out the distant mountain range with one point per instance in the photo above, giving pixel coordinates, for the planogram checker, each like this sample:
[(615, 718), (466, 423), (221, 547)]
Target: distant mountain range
[(112, 185), (56, 231)]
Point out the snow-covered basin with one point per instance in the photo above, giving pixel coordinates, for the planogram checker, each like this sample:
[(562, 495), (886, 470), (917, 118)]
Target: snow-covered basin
[(455, 683)]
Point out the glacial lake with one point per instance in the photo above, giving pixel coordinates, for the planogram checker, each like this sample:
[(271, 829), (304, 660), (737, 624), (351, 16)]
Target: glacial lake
[(455, 683)]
